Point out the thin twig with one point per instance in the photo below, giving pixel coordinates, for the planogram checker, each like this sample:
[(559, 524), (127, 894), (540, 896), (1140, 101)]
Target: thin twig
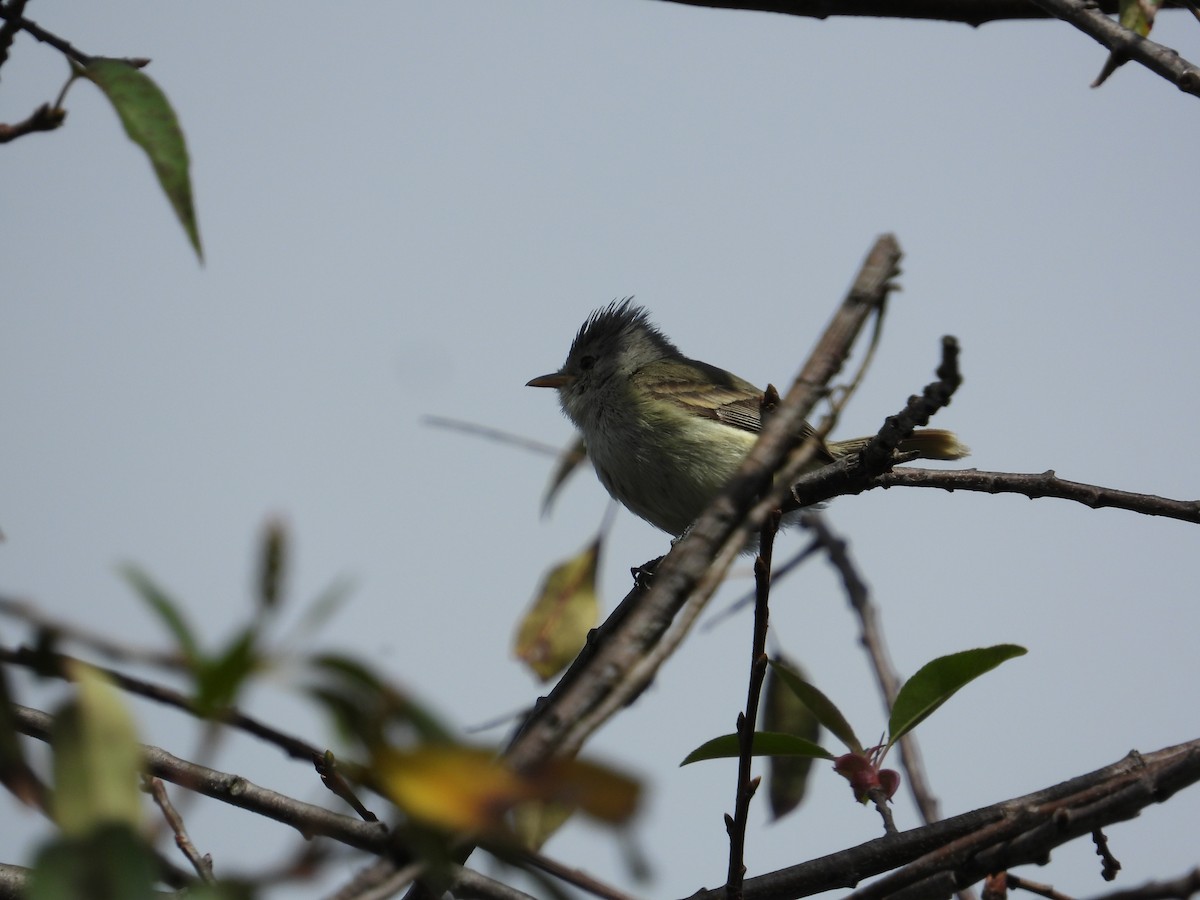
[(1181, 888), (794, 561), (1110, 864), (380, 880), (492, 434), (1016, 882), (202, 864), (44, 118), (333, 779), (93, 640), (14, 19), (871, 637), (735, 825), (577, 877)]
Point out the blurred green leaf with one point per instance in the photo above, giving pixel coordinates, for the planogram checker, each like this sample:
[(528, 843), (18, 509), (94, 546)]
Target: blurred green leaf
[(365, 707), (822, 707), (784, 712), (766, 743), (97, 757), (110, 863), (322, 608), (568, 461), (937, 681), (150, 123), (219, 680), (168, 610), (272, 563)]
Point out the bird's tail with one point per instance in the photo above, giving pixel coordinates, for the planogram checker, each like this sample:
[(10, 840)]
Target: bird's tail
[(928, 443)]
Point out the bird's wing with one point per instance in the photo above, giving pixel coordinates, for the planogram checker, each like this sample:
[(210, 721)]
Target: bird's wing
[(724, 397)]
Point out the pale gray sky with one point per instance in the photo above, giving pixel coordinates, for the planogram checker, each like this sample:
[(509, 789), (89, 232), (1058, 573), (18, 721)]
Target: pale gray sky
[(409, 209)]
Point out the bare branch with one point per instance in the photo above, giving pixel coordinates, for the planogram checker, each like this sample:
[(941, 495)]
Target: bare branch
[(1034, 486), (1126, 44), (1180, 888), (306, 818), (970, 12)]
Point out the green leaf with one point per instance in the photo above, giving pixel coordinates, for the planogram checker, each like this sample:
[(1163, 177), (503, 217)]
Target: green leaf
[(150, 123), (168, 610), (272, 563), (219, 680), (322, 608), (766, 743), (571, 458), (937, 681), (111, 863), (364, 705), (823, 708), (97, 757), (783, 711)]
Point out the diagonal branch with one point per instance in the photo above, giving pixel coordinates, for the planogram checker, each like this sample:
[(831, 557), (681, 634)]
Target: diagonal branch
[(13, 20), (938, 858), (1126, 44)]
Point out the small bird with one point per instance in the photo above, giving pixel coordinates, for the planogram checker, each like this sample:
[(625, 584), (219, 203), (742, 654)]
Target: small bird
[(666, 432)]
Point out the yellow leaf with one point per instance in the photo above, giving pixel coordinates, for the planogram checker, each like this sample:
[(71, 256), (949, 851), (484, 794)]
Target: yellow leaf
[(452, 787), (597, 790), (555, 627), (1138, 15), (536, 821), (467, 789)]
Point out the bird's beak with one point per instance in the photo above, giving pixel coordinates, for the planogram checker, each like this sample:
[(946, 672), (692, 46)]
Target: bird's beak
[(553, 380)]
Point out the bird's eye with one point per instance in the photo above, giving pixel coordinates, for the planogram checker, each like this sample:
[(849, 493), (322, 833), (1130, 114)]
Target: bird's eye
[(587, 362)]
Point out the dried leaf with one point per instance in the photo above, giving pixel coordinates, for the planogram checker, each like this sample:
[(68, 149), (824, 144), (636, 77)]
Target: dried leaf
[(467, 789), (556, 626)]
